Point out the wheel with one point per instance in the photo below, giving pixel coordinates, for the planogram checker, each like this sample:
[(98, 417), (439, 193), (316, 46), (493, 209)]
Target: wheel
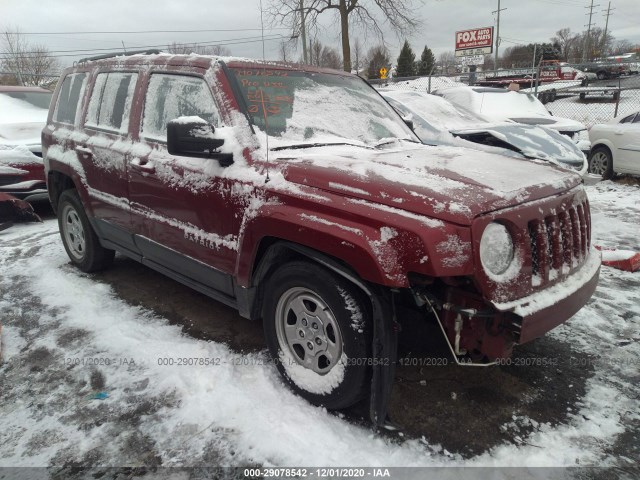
[(583, 96), (79, 239), (601, 75), (318, 329), (601, 163), (543, 97), (553, 95)]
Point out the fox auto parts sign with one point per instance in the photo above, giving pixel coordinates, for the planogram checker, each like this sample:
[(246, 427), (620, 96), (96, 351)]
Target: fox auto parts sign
[(477, 41)]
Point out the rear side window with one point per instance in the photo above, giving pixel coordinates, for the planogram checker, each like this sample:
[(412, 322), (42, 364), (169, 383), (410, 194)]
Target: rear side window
[(110, 102), (172, 96), (69, 98)]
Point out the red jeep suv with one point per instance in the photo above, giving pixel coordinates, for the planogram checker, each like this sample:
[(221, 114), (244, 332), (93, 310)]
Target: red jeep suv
[(300, 197)]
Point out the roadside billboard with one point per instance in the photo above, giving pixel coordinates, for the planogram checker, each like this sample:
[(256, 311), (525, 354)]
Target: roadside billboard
[(477, 41)]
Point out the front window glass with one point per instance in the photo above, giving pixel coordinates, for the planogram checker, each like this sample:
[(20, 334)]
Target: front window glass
[(172, 96), (304, 108)]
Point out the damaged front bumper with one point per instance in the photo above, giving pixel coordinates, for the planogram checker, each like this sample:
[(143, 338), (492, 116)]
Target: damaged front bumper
[(476, 329)]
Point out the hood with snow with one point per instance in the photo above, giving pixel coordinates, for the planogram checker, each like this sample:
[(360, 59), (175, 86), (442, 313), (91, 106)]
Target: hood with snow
[(452, 184)]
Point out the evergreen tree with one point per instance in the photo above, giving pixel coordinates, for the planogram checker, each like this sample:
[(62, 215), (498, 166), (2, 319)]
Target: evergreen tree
[(406, 62), (427, 61)]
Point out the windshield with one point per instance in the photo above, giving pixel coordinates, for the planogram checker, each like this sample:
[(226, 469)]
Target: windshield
[(37, 99), (510, 104), (299, 108)]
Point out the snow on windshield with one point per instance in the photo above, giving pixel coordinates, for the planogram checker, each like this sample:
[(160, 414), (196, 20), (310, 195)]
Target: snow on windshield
[(18, 110), (304, 107), (508, 104)]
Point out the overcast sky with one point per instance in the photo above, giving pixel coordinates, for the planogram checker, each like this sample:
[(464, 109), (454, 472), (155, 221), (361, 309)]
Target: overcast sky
[(521, 22)]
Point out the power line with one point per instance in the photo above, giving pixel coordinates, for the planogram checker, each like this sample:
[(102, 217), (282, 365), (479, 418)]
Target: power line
[(141, 47), (89, 52), (151, 31)]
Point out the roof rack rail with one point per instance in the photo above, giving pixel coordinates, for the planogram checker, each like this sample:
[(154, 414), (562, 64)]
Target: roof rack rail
[(154, 51)]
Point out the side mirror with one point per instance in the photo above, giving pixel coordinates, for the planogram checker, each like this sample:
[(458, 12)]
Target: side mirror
[(193, 137)]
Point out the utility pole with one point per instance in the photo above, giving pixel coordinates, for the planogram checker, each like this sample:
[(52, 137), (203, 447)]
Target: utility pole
[(303, 32), (606, 28), (497, 32), (585, 53)]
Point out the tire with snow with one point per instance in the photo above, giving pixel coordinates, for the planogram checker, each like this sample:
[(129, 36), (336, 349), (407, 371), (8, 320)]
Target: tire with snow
[(318, 329), (79, 239), (601, 163)]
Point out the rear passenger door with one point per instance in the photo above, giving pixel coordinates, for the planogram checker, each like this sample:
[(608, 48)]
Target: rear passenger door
[(181, 206), (106, 152)]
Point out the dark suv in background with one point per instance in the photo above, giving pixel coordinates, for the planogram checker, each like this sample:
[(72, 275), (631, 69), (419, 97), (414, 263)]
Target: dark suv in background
[(300, 197)]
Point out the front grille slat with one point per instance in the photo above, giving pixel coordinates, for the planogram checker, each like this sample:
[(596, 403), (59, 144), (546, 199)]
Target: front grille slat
[(583, 231), (559, 243), (575, 231)]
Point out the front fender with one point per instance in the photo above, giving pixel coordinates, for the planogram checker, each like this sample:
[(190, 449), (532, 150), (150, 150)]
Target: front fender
[(380, 250)]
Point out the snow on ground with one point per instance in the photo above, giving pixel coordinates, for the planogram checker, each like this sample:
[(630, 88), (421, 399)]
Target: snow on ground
[(235, 410)]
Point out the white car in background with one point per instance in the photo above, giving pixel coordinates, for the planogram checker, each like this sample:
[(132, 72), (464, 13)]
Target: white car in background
[(499, 104), (437, 121), (616, 146)]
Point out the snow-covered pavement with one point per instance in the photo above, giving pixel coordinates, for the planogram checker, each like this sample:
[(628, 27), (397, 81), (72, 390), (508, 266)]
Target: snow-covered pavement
[(68, 337)]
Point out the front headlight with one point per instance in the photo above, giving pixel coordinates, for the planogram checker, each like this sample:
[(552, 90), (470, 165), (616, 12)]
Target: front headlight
[(496, 249), (581, 136)]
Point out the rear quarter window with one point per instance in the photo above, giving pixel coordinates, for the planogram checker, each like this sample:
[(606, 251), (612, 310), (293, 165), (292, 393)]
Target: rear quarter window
[(68, 103)]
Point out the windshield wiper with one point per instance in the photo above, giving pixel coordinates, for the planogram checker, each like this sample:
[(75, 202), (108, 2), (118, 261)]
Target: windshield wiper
[(311, 145), (387, 142)]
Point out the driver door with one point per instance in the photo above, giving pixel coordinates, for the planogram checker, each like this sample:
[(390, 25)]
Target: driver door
[(182, 212)]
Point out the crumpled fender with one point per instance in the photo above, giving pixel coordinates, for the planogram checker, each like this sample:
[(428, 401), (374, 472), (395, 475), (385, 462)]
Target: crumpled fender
[(380, 247)]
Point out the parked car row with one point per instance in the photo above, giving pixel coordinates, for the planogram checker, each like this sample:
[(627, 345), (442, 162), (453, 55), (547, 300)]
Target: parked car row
[(301, 198), (23, 115)]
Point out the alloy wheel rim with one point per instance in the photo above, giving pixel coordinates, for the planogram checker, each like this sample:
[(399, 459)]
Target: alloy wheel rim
[(599, 163), (73, 232), (307, 329)]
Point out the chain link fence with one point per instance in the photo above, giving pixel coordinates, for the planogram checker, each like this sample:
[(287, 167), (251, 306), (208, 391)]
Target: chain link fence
[(587, 100)]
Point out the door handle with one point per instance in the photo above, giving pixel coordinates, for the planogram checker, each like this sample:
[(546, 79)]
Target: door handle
[(142, 165)]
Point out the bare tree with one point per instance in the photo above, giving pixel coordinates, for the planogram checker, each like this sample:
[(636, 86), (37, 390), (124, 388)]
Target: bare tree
[(187, 48), (32, 64), (357, 56), (323, 56), (369, 15), (565, 39), (622, 46), (446, 60)]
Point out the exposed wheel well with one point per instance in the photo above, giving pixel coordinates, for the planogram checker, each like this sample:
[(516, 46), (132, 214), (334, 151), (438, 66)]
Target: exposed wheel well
[(58, 183), (273, 252), (601, 146)]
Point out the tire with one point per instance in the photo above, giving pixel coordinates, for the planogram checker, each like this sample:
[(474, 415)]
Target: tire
[(323, 350), (601, 75), (78, 237), (553, 95), (601, 163)]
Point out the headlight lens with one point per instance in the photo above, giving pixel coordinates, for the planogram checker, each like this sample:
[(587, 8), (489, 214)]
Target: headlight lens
[(496, 249)]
